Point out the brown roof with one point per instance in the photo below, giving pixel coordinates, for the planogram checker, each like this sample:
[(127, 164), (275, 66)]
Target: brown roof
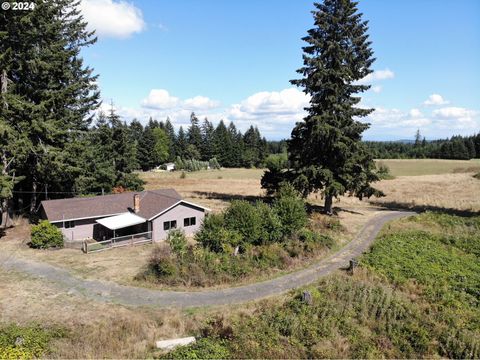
[(152, 202)]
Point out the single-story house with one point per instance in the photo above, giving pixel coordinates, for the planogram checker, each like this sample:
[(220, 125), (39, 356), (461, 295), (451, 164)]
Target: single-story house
[(152, 212)]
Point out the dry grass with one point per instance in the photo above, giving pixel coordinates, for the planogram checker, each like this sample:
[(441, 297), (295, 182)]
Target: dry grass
[(98, 330), (408, 167), (443, 192)]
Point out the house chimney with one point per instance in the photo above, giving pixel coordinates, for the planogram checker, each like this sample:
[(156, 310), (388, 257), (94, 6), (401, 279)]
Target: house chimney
[(136, 203)]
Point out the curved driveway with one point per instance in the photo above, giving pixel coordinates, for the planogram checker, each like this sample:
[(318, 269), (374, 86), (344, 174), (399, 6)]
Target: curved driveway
[(134, 296)]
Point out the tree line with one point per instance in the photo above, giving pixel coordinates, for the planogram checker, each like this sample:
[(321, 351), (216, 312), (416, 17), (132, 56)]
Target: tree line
[(157, 142), (456, 147)]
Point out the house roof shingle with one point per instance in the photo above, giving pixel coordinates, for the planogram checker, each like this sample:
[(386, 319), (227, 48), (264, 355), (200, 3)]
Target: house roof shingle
[(152, 202)]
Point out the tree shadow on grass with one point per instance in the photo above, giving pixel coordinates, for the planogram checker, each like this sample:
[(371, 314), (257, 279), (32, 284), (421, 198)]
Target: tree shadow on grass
[(312, 208), (231, 197), (399, 206)]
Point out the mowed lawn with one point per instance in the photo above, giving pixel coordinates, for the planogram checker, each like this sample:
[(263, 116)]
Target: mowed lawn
[(416, 167)]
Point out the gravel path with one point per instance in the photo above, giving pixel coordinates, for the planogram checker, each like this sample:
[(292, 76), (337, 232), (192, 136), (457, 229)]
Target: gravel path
[(134, 296)]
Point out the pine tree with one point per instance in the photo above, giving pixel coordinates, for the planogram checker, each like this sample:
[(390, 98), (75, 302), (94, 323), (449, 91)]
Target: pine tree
[(181, 144), (40, 51), (326, 153), (221, 144), (207, 149), (194, 134), (161, 146), (170, 131)]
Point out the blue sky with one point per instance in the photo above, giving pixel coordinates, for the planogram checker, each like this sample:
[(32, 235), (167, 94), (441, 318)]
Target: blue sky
[(234, 60)]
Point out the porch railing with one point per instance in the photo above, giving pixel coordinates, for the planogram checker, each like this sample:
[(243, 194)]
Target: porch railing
[(119, 241)]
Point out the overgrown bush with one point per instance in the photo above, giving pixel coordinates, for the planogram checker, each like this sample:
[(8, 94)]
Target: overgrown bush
[(290, 208), (45, 235), (177, 241), (208, 234), (270, 224), (243, 217), (196, 165)]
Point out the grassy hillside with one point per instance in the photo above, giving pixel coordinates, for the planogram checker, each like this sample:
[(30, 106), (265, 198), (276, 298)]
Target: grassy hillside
[(416, 295)]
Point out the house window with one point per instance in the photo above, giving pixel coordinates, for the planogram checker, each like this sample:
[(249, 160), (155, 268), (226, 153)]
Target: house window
[(69, 224), (167, 225), (189, 221)]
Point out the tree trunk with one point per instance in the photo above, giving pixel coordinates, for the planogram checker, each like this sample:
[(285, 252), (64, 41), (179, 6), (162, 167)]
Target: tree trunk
[(33, 199), (7, 220), (328, 204)]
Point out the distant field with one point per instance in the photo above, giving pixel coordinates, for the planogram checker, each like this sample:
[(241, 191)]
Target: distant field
[(417, 167)]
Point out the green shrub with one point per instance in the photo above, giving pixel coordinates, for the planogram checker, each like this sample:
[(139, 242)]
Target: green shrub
[(202, 349), (383, 172), (162, 263), (207, 236), (244, 218), (45, 235), (290, 208), (308, 236), (28, 342), (177, 241), (271, 226)]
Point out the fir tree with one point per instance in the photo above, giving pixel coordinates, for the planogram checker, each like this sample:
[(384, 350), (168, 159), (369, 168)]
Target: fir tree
[(181, 143), (170, 131), (207, 149), (194, 133), (326, 153), (40, 51)]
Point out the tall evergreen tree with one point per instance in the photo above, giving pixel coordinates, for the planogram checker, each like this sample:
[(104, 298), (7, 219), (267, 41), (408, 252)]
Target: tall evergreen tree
[(194, 135), (207, 149), (40, 52), (170, 131), (326, 153), (181, 144)]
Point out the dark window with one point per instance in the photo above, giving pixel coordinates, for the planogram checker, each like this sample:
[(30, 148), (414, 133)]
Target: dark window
[(189, 221), (167, 225), (69, 224)]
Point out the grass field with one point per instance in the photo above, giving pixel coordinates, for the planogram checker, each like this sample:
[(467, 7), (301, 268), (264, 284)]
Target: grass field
[(401, 167)]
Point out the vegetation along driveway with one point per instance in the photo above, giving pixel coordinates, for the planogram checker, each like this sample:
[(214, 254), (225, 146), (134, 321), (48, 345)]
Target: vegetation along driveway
[(134, 296)]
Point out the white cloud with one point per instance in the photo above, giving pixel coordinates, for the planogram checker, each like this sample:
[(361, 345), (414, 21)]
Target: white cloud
[(377, 89), (415, 113), (377, 75), (200, 103), (110, 18), (160, 99), (457, 118), (274, 113), (435, 99)]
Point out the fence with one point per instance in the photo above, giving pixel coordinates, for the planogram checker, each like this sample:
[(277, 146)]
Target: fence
[(128, 240)]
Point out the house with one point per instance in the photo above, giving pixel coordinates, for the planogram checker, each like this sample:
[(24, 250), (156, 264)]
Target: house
[(151, 213), (169, 166)]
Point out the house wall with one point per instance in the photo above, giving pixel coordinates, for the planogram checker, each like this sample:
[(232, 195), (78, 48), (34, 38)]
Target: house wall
[(178, 213), (83, 229)]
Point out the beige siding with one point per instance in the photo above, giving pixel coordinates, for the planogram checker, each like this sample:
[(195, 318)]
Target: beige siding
[(83, 229), (178, 213)]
